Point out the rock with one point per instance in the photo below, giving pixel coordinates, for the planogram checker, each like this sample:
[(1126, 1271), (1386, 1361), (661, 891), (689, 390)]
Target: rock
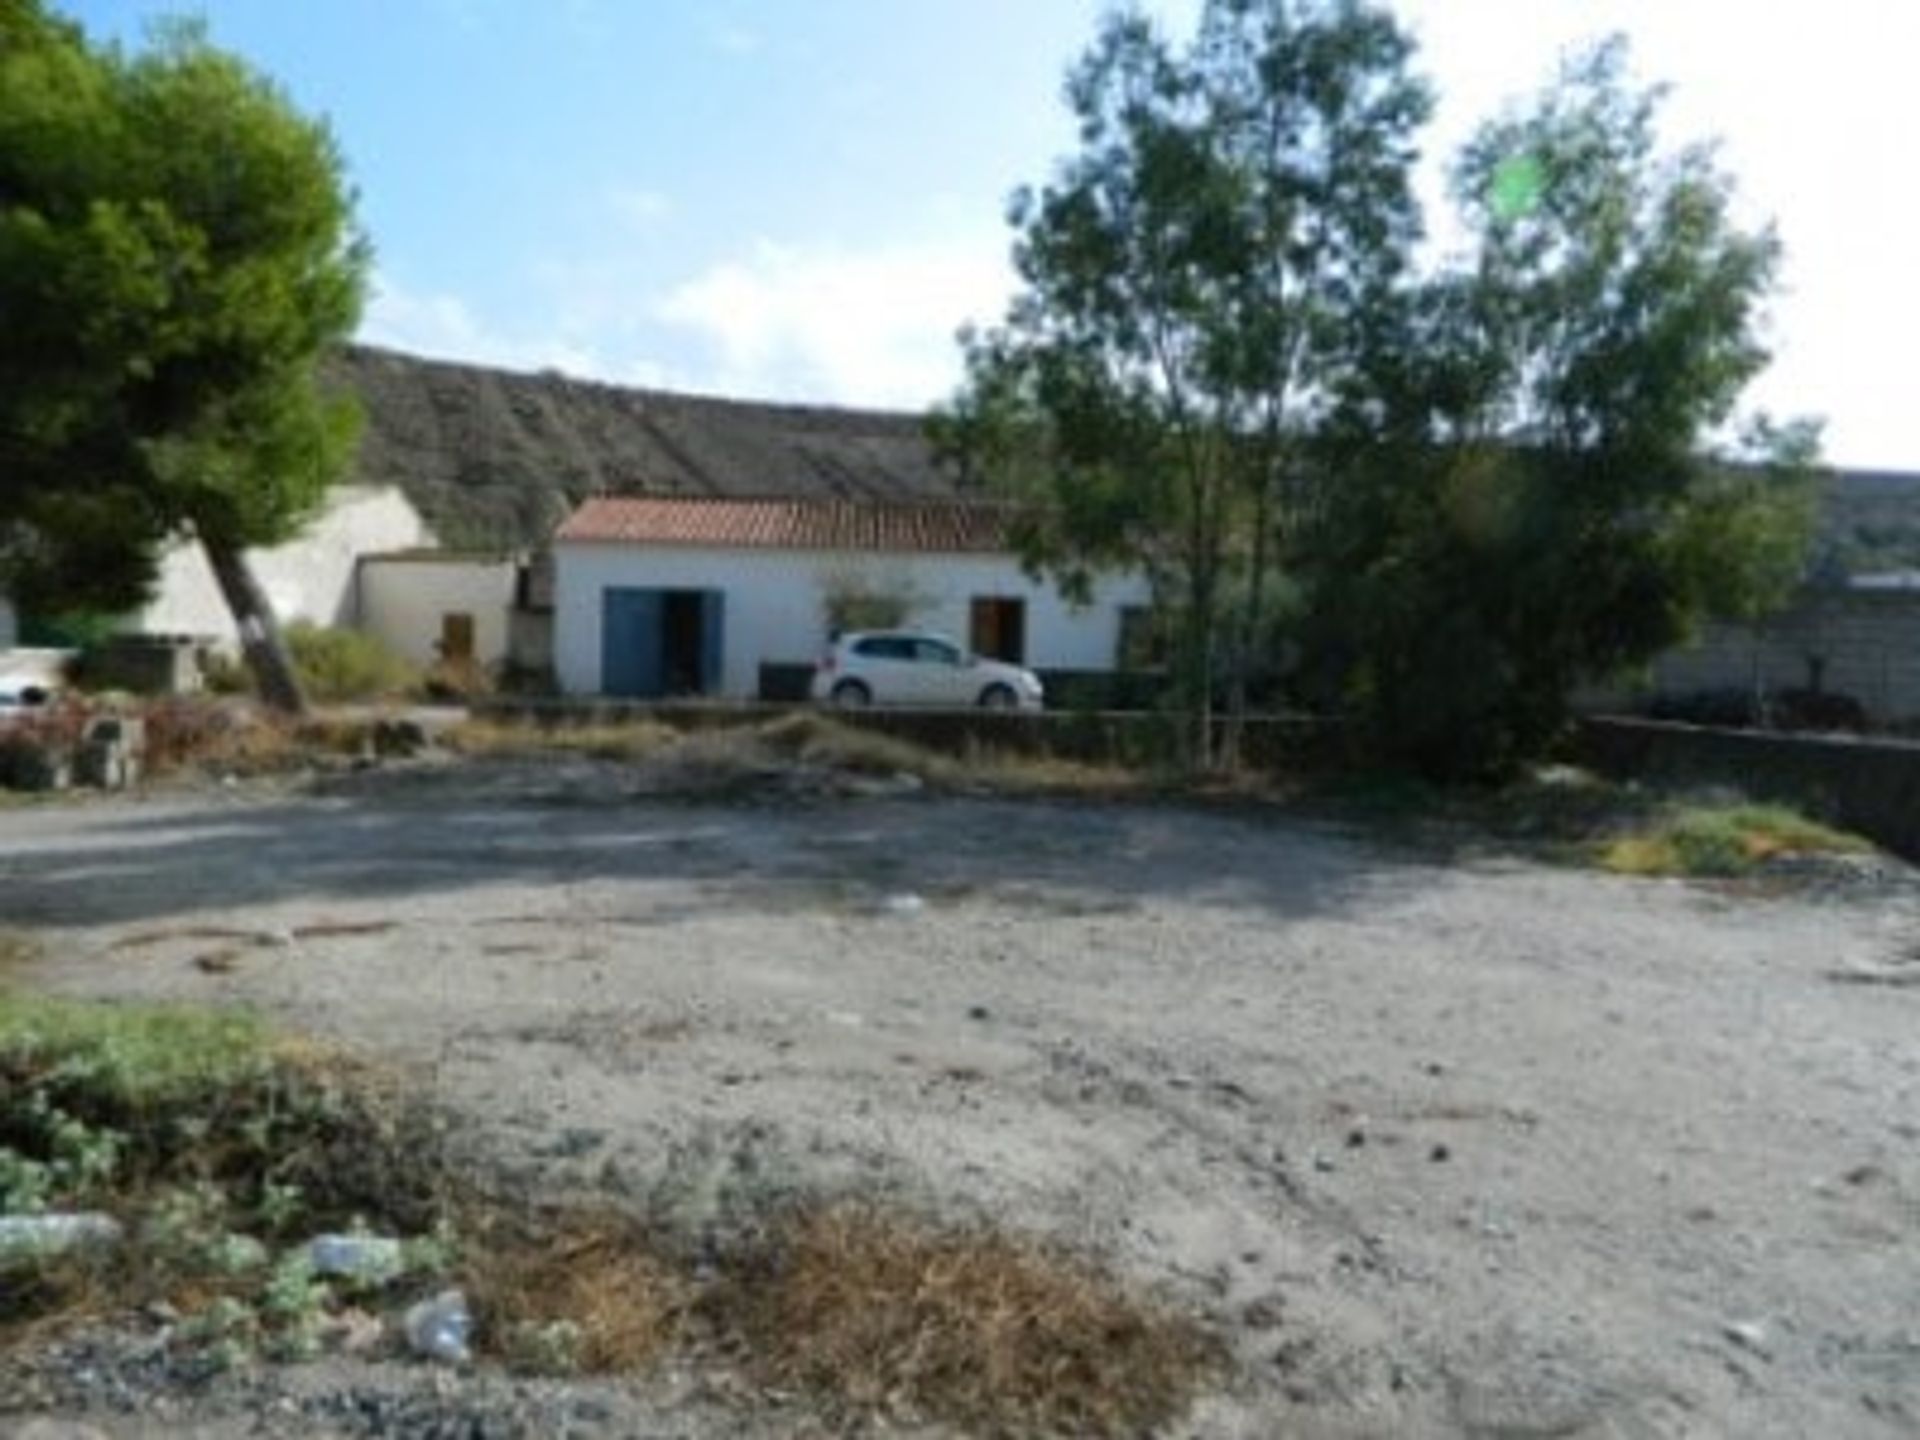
[(438, 1329), (33, 766), (1323, 1164), (373, 1258), (979, 1012), (1439, 1155), (36, 1237), (401, 738), (355, 1332), (1750, 1336)]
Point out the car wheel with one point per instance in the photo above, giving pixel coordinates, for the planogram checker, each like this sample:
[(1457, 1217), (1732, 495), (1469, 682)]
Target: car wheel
[(998, 697), (852, 695)]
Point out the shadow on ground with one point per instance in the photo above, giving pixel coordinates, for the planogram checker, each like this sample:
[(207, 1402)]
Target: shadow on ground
[(488, 825)]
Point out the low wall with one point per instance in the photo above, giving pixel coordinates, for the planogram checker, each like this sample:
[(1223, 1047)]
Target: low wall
[(1065, 689), (1093, 737), (1870, 786)]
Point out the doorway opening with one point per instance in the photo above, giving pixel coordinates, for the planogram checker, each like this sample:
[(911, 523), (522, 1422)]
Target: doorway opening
[(999, 629)]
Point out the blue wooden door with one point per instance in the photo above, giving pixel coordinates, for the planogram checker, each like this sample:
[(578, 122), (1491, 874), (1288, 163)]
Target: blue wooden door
[(713, 620), (632, 657)]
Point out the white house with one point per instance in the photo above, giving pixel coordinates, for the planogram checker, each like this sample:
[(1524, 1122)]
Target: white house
[(691, 596), (434, 605), (311, 577)]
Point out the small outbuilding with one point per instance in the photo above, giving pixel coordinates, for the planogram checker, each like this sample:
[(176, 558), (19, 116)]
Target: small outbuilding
[(673, 597)]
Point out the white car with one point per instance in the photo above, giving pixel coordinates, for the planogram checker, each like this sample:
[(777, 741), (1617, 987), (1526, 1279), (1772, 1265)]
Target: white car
[(906, 667), (22, 697)]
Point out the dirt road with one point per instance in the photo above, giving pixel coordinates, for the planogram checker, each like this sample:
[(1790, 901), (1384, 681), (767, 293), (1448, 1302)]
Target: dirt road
[(1446, 1145)]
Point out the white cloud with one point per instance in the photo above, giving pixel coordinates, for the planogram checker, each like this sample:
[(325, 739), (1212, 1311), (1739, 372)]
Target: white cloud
[(443, 325), (870, 327)]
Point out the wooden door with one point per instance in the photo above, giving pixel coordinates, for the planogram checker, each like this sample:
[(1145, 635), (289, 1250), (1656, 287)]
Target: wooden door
[(456, 638)]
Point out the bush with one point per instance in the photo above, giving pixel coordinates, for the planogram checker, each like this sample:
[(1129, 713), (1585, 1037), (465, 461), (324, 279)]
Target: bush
[(1722, 841), (347, 665)]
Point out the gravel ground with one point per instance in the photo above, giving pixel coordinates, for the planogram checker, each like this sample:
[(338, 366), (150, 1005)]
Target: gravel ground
[(1445, 1143)]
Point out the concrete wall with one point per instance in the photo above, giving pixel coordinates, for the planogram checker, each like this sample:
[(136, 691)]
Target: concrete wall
[(1869, 641), (775, 608), (310, 578), (404, 598)]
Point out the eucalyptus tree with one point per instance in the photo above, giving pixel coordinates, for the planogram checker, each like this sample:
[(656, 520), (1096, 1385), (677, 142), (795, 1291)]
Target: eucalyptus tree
[(1193, 281)]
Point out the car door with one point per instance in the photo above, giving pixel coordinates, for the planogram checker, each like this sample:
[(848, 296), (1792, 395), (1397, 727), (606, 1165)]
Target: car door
[(884, 663), (943, 678)]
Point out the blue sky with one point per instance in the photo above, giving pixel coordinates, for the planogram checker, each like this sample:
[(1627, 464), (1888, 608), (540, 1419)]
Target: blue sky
[(802, 199)]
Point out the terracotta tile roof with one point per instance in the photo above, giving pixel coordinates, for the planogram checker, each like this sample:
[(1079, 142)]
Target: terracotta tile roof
[(928, 527)]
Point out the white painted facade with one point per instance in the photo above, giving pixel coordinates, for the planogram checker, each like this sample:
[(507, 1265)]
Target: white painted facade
[(776, 603), (406, 600), (311, 577)]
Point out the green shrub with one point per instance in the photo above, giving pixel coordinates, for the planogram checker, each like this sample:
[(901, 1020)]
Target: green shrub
[(1722, 841), (347, 665)]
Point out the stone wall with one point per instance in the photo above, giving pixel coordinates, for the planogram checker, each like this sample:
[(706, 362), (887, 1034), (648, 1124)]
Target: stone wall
[(1870, 786), (1864, 644)]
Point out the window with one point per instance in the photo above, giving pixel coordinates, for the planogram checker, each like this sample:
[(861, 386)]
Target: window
[(935, 652), (885, 647)]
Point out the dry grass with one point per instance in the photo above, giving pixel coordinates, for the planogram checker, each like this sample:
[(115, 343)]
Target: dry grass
[(874, 1312), (1052, 775), (716, 758), (17, 951), (815, 739), (971, 1328), (583, 1293), (636, 740)]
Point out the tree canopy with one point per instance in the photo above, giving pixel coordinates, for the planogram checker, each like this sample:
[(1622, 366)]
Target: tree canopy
[(1539, 488), (1475, 485), (1193, 277), (177, 250)]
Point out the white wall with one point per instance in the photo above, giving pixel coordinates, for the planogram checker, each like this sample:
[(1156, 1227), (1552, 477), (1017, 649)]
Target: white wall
[(309, 578), (403, 599), (775, 610)]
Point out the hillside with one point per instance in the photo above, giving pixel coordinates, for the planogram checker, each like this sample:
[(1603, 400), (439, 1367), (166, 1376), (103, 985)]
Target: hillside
[(496, 459)]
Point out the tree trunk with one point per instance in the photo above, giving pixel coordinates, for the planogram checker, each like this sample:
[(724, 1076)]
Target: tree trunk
[(1252, 621), (265, 651)]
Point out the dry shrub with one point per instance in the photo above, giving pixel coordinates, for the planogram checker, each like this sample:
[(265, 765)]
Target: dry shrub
[(808, 736), (213, 734), (581, 1293), (966, 1327)]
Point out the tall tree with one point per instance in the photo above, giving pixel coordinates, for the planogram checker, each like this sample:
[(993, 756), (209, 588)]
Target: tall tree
[(177, 251), (1192, 278), (1543, 490)]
